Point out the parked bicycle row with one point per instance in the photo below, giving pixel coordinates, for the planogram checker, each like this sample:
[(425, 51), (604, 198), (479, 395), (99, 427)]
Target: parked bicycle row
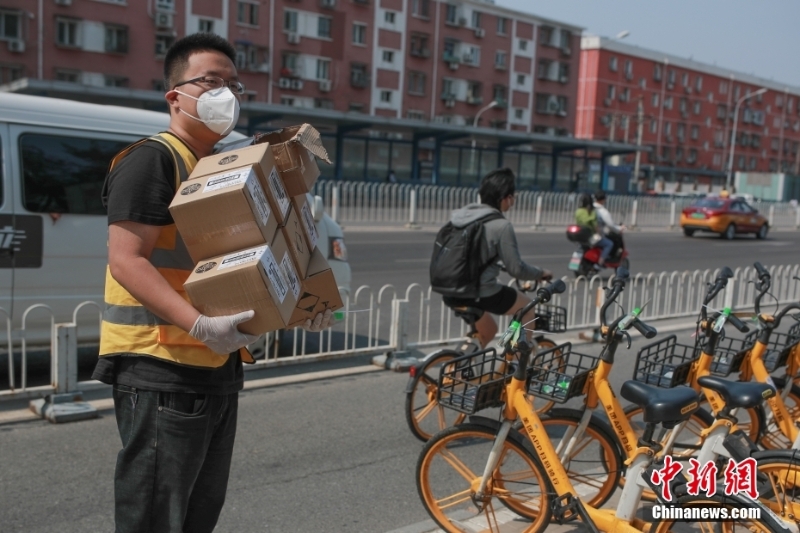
[(688, 427)]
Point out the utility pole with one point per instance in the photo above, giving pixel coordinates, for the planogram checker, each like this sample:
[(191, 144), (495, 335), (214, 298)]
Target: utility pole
[(639, 128)]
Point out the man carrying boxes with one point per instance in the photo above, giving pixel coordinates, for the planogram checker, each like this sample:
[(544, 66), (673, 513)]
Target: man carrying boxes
[(176, 363)]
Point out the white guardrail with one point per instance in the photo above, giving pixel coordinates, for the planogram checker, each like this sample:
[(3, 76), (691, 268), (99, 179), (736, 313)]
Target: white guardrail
[(393, 321), (393, 203)]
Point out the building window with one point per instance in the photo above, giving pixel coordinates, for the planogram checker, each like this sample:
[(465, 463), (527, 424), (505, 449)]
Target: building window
[(389, 17), (681, 131), (612, 64), (656, 72), (685, 79), (671, 76), (500, 59), (416, 83), (668, 102), (476, 19), (290, 21), (521, 79), (359, 33), (546, 35), (386, 97), (71, 76), (698, 107), (67, 32), (419, 45), (448, 91), (163, 43), (323, 69), (247, 13), (115, 81), (502, 26), (287, 100), (324, 27), (474, 92), (500, 94), (358, 75), (116, 39), (414, 114), (523, 44), (472, 56), (290, 64), (628, 69), (653, 126), (519, 113), (612, 92), (388, 56), (9, 73), (566, 37), (10, 25), (158, 86), (563, 72), (695, 132), (323, 103), (667, 128), (421, 8), (698, 83), (205, 26), (451, 14), (723, 87), (655, 100)]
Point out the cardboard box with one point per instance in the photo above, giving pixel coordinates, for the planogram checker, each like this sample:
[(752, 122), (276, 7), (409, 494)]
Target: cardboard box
[(303, 210), (263, 162), (262, 278), (295, 235), (222, 212), (319, 292), (294, 149)]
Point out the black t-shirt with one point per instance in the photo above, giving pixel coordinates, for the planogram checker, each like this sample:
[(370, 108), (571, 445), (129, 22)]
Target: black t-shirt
[(139, 189)]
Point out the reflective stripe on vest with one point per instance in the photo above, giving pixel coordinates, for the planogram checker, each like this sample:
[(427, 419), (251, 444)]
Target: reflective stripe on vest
[(130, 328)]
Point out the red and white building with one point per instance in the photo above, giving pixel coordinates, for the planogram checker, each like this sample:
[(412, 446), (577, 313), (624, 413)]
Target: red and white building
[(429, 60), (687, 113)]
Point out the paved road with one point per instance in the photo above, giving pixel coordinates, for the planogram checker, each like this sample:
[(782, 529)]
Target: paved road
[(401, 257), (332, 455)]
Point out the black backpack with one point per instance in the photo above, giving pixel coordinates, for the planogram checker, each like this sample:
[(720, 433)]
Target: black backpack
[(455, 266)]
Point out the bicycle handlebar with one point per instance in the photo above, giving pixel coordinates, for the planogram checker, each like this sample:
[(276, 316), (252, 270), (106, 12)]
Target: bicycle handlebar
[(720, 283), (762, 285), (738, 324), (646, 330)]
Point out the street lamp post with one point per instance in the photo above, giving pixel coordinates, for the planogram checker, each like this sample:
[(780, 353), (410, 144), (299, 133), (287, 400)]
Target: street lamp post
[(490, 105), (729, 181)]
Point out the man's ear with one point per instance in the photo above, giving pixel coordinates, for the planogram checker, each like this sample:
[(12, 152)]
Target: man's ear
[(172, 99)]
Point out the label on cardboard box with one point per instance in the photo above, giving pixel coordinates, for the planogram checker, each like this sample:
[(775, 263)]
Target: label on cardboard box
[(239, 258), (259, 199), (291, 275), (225, 180), (278, 191), (274, 274), (308, 222)]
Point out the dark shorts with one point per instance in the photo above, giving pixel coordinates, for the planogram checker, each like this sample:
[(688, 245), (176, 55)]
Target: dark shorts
[(497, 304)]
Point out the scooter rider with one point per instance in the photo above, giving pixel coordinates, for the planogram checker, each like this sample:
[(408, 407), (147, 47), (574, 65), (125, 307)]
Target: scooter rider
[(606, 223)]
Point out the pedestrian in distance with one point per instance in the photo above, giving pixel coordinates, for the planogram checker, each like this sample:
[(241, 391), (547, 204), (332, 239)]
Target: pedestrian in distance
[(499, 242), (391, 178), (175, 373)]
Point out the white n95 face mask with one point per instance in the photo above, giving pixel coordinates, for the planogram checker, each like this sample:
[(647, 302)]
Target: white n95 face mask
[(218, 109)]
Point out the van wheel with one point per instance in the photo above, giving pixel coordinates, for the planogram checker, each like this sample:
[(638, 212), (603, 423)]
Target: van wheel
[(762, 232), (688, 232), (729, 232)]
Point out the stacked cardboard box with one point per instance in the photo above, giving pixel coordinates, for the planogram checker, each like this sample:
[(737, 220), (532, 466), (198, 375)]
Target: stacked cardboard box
[(244, 219)]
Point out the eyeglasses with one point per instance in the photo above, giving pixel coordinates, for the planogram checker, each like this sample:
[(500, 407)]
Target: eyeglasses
[(215, 82)]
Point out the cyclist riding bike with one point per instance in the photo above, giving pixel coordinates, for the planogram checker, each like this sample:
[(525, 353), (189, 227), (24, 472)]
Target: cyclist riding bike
[(499, 242)]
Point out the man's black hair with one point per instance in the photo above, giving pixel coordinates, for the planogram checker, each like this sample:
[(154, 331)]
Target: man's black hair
[(496, 185), (600, 195), (177, 60)]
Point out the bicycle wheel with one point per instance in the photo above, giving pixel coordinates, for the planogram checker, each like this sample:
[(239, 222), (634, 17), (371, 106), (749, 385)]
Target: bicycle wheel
[(595, 463), (448, 473), (424, 415), (763, 522), (772, 437), (779, 482)]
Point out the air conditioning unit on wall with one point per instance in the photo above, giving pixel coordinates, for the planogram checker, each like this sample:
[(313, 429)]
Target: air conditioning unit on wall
[(293, 38), (284, 83), (16, 45), (325, 85), (164, 20)]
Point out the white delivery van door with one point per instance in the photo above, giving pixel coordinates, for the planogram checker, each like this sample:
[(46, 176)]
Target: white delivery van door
[(8, 236), (61, 175)]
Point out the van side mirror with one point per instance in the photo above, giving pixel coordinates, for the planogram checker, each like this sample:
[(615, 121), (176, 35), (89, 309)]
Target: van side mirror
[(318, 208)]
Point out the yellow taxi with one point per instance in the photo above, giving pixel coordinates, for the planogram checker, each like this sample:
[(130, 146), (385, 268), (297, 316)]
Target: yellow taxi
[(724, 216)]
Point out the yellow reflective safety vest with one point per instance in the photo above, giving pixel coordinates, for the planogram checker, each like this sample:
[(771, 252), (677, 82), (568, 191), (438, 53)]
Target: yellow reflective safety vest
[(127, 326)]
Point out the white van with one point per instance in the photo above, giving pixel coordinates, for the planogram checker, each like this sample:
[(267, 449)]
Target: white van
[(53, 227)]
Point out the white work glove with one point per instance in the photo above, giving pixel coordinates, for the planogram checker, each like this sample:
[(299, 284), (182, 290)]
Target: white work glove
[(321, 321), (220, 332)]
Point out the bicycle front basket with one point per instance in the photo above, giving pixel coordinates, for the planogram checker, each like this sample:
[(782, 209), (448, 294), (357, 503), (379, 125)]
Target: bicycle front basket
[(474, 381), (551, 318), (730, 354), (559, 373), (665, 363)]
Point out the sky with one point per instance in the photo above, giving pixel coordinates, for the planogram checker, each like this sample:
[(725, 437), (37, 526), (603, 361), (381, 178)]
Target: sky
[(757, 37)]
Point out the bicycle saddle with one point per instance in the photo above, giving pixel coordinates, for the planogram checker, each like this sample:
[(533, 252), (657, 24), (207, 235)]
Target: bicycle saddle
[(469, 314), (661, 406), (737, 393)]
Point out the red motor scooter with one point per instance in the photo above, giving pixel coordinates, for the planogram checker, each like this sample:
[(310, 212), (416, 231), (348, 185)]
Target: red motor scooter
[(585, 258)]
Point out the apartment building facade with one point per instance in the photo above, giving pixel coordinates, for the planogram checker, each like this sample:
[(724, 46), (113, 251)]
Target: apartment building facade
[(429, 60), (687, 114)]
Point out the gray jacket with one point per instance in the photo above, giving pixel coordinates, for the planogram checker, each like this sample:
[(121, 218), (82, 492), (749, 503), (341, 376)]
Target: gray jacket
[(500, 243)]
